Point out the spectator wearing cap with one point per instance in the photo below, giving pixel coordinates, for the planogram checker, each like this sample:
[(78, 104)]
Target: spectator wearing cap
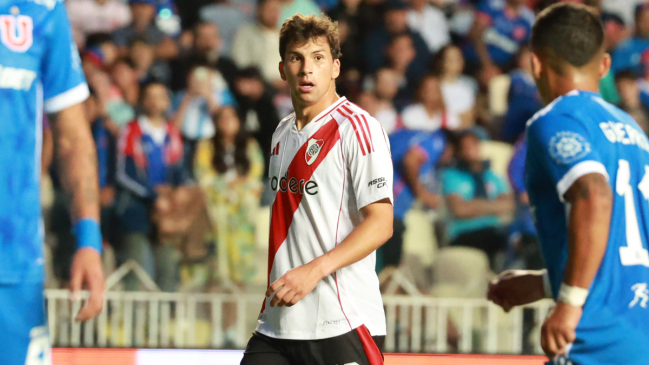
[(476, 198), (96, 16), (395, 23), (256, 44), (143, 25), (628, 55), (500, 28), (430, 22)]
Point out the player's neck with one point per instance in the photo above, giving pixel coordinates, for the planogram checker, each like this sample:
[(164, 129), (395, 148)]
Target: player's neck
[(572, 81), (304, 114)]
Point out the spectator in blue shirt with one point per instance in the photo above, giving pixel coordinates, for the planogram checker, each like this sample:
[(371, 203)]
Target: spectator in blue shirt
[(628, 54), (150, 158), (476, 198), (523, 98), (500, 28)]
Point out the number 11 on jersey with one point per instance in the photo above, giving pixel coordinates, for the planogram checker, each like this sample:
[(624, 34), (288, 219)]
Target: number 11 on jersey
[(633, 253)]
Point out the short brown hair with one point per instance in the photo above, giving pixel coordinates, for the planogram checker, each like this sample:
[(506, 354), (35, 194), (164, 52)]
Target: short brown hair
[(299, 29)]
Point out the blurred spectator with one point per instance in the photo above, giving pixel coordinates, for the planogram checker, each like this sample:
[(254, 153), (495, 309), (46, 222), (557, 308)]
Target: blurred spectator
[(147, 67), (360, 16), (96, 16), (229, 168), (258, 44), (615, 32), (459, 91), (629, 53), (499, 29), (386, 86), (100, 53), (476, 199), (524, 252), (292, 7), (622, 8), (627, 85), (430, 22), (143, 25), (118, 91), (206, 48), (523, 99), (415, 156), (395, 23), (400, 59), (429, 113), (228, 18), (194, 107), (150, 159), (259, 115)]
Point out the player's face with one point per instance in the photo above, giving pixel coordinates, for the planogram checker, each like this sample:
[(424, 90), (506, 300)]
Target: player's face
[(310, 70)]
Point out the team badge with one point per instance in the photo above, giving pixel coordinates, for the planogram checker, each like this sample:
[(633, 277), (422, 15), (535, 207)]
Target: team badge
[(568, 147), (16, 32), (313, 148)]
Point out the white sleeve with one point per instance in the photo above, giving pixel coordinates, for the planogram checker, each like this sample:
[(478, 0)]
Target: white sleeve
[(367, 154)]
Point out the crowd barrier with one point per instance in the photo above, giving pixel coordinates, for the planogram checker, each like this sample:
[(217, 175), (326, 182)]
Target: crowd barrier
[(69, 356), (415, 324)]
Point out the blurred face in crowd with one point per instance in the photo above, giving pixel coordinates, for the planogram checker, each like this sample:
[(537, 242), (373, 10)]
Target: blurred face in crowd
[(629, 91), (401, 52), (227, 122), (142, 55), (310, 70), (155, 100), (123, 75), (453, 62), (268, 13), (396, 20), (250, 87), (642, 23), (387, 84), (199, 81), (142, 14), (368, 102), (352, 4), (430, 92), (468, 149), (207, 38)]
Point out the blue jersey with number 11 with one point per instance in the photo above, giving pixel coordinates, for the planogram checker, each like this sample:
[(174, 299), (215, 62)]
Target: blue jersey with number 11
[(578, 134)]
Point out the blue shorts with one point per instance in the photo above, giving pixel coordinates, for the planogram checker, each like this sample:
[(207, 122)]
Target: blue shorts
[(24, 337)]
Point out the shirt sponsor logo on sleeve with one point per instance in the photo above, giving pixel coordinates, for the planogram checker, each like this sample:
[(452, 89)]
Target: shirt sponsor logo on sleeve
[(313, 150), (379, 183), (567, 147)]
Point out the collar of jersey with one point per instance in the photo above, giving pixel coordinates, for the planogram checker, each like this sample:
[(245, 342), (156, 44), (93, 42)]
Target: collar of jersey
[(319, 117)]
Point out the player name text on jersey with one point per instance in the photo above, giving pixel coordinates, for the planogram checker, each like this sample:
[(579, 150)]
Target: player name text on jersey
[(625, 134)]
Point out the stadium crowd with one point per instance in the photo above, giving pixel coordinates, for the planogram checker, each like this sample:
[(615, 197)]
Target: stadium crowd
[(185, 98)]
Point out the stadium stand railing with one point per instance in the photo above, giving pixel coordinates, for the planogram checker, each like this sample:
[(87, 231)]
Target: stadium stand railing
[(415, 324)]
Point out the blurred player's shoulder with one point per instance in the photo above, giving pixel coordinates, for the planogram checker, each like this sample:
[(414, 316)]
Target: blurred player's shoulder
[(49, 4)]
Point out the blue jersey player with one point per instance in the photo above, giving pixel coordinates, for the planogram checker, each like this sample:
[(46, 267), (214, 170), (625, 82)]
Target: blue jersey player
[(40, 72), (588, 181)]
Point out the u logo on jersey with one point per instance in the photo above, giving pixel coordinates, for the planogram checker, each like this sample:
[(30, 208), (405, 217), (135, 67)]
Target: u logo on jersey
[(16, 32)]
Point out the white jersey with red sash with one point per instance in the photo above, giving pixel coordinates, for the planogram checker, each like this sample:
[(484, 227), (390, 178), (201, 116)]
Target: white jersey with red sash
[(323, 175)]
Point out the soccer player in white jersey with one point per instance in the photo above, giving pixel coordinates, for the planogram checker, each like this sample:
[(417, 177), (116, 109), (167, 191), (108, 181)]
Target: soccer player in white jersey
[(332, 175)]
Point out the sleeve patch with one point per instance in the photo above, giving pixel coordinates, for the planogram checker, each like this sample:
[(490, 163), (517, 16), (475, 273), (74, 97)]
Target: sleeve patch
[(567, 147)]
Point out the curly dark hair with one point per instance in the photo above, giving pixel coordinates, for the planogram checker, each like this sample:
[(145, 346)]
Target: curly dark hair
[(299, 29), (241, 160)]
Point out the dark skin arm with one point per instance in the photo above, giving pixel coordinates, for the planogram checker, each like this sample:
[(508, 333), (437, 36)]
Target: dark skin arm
[(591, 200), (412, 162), (466, 209), (77, 162)]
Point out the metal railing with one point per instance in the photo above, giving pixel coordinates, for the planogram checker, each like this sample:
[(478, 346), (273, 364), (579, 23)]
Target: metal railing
[(181, 320)]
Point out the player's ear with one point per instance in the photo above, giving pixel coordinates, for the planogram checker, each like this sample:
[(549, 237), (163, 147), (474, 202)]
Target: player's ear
[(282, 74), (536, 66), (335, 72), (604, 65)]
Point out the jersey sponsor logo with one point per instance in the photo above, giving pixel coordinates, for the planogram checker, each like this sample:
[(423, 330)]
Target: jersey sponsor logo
[(293, 185), (567, 147), (313, 150), (379, 183), (16, 32), (16, 78), (641, 295), (275, 150)]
